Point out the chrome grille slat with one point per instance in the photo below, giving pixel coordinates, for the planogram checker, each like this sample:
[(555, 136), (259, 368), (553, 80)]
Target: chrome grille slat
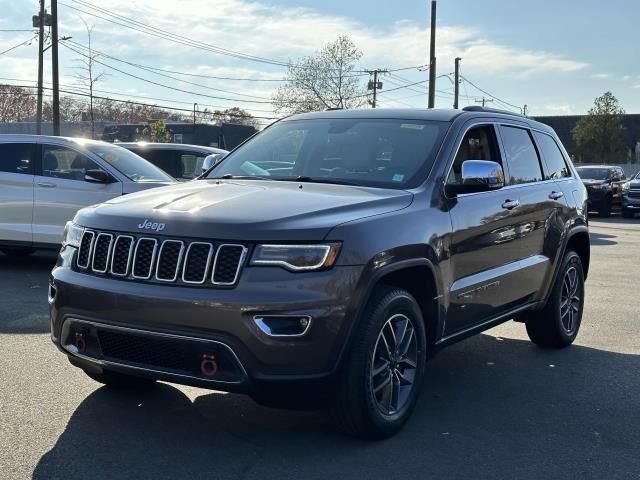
[(167, 262), (135, 272), (216, 277), (116, 257), (101, 251), (205, 269), (160, 260), (85, 250)]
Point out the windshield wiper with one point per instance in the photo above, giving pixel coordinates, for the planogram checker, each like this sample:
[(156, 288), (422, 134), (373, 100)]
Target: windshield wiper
[(228, 176)]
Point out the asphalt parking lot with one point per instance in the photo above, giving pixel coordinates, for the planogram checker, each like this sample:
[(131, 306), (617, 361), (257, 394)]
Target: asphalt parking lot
[(494, 406)]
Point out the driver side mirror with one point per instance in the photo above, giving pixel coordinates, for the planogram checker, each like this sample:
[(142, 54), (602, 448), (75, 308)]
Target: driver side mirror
[(478, 176), (97, 176), (211, 161)]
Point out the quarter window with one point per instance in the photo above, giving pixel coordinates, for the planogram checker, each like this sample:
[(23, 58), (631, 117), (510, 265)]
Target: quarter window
[(522, 157), (553, 157), (17, 157)]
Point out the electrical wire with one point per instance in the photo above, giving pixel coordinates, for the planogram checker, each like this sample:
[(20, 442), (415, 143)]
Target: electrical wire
[(503, 102), (19, 45)]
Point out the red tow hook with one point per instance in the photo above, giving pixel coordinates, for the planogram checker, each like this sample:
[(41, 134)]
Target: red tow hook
[(208, 365), (81, 343)]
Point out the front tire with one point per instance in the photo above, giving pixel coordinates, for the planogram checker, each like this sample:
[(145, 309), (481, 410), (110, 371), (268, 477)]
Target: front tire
[(605, 207), (379, 385), (557, 324)]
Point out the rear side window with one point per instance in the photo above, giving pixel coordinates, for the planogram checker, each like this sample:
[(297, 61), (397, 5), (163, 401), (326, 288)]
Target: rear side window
[(553, 158), (522, 157), (18, 157)]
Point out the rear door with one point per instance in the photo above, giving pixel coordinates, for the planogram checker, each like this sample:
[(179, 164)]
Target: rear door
[(61, 190), (17, 163)]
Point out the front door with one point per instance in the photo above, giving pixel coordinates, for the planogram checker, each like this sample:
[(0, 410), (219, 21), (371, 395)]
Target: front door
[(61, 190)]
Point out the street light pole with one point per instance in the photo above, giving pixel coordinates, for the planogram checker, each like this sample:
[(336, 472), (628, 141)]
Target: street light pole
[(432, 57), (456, 86)]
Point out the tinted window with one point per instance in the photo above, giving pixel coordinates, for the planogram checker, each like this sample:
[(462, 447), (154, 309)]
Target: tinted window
[(17, 157), (553, 157), (372, 152), (594, 173), (62, 162), (479, 143), (190, 164), (522, 157)]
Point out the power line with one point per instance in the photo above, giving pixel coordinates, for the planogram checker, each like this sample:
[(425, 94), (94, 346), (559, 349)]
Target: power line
[(19, 45), (129, 102), (490, 94), (17, 29)]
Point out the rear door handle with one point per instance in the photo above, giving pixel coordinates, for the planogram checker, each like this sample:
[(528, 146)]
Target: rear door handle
[(556, 195), (46, 184), (510, 204)]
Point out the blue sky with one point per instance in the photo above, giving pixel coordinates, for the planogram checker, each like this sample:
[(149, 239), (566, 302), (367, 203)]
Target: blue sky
[(554, 56)]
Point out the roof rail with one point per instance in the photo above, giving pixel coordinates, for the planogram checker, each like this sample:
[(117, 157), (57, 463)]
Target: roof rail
[(478, 108), (329, 109)]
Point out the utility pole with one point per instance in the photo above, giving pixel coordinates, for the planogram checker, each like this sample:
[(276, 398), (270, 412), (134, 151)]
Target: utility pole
[(432, 57), (456, 83), (195, 106), (374, 84), (54, 67), (524, 110), (41, 21), (484, 101)]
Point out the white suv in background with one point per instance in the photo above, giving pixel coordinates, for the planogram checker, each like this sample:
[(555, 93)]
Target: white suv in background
[(45, 180)]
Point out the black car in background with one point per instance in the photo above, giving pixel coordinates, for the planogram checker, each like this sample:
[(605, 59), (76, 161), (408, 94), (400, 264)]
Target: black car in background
[(181, 161), (604, 184), (631, 197)]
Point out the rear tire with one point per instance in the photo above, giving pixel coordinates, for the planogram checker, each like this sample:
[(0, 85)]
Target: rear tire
[(605, 207), (120, 380), (557, 324), (626, 213), (379, 385), (17, 251)]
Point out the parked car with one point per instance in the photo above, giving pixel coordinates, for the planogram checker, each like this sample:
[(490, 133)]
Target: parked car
[(631, 197), (604, 184), (45, 180), (183, 162), (391, 234)]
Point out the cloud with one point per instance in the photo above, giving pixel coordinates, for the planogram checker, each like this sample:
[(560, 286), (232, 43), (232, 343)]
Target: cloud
[(601, 75), (557, 109)]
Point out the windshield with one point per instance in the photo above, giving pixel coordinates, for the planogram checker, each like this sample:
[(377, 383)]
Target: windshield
[(590, 173), (368, 152), (128, 163)]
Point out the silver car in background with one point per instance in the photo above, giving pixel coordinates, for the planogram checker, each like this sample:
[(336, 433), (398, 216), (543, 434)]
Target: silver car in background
[(45, 180)]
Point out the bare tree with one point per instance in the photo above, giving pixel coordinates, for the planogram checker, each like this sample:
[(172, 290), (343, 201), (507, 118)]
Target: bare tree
[(325, 80), (16, 104), (71, 110), (235, 115), (87, 75)]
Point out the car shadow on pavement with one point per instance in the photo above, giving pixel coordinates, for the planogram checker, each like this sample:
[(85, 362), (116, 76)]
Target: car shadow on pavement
[(602, 239), (24, 284), (490, 408)]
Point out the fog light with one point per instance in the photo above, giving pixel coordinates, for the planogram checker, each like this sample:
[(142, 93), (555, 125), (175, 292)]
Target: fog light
[(283, 325)]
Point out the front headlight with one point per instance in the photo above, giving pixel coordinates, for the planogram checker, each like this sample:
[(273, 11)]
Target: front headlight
[(297, 258), (626, 187), (72, 235)]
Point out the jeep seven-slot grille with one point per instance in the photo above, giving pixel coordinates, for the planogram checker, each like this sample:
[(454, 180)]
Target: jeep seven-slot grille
[(170, 261)]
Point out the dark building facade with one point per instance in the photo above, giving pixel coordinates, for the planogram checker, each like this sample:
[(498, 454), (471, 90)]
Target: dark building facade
[(563, 125), (225, 135)]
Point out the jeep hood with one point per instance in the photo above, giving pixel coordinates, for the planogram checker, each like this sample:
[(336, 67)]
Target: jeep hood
[(251, 210)]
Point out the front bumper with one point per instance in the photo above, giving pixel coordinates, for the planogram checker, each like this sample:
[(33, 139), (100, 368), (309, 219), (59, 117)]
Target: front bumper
[(225, 316), (631, 203)]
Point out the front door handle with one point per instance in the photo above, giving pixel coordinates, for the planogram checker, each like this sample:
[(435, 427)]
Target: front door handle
[(556, 195), (510, 204), (46, 184)]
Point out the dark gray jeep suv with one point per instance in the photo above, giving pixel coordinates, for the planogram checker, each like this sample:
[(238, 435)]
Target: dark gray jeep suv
[(327, 258)]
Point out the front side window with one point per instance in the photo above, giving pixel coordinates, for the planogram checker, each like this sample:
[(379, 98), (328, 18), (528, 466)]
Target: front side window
[(65, 163), (553, 157), (388, 153), (479, 143), (128, 163), (522, 157), (18, 157)]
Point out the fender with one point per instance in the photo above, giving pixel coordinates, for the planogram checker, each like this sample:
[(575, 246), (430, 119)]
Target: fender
[(569, 233), (370, 279)]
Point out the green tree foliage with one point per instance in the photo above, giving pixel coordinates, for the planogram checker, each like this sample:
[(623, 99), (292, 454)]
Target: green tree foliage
[(600, 136), (155, 132), (323, 80)]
